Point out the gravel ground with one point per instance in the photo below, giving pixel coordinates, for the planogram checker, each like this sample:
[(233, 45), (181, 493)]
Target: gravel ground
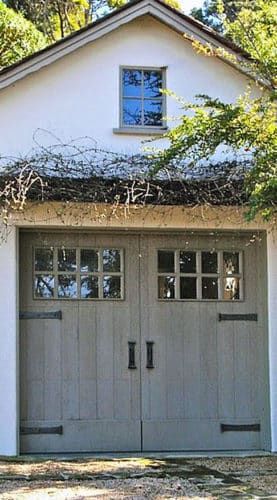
[(141, 489), (139, 478), (259, 472)]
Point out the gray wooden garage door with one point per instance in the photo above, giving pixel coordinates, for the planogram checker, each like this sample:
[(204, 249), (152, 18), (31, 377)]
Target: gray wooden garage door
[(142, 342)]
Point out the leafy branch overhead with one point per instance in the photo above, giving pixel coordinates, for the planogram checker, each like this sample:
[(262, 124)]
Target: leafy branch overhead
[(58, 18), (246, 127), (19, 38)]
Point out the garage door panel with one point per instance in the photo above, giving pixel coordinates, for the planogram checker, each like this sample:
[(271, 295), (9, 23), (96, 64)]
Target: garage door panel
[(77, 366), (226, 370), (88, 398), (208, 361), (205, 370), (53, 397), (87, 343), (84, 436), (191, 435)]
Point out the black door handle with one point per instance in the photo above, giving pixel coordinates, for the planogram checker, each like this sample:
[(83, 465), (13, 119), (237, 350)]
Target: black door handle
[(132, 355), (149, 355)]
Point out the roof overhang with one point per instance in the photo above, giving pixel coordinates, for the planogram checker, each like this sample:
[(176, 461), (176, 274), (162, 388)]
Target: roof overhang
[(135, 9)]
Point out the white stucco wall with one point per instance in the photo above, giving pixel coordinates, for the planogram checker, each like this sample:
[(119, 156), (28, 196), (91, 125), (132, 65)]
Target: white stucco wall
[(8, 346), (272, 325), (79, 95)]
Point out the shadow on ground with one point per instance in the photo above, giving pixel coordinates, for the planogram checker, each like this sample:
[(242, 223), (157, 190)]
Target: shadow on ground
[(139, 478)]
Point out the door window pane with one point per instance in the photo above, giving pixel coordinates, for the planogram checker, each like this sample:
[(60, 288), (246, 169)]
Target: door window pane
[(89, 287), (111, 261), (231, 288), (165, 261), (112, 287), (187, 288), (209, 262), (89, 261), (231, 262), (67, 286), (67, 259), (166, 287), (44, 286), (188, 262), (209, 288), (44, 259)]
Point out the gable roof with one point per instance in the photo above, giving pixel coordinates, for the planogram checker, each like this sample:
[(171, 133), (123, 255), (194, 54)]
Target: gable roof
[(134, 9)]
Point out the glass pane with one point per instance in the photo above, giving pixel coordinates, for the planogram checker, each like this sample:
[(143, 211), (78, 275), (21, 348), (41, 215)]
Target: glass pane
[(112, 287), (209, 288), (231, 262), (89, 261), (89, 287), (132, 112), (187, 288), (67, 259), (153, 113), (132, 83), (166, 287), (209, 262), (231, 289), (67, 286), (111, 261), (44, 286), (187, 262), (165, 261), (44, 259), (152, 83)]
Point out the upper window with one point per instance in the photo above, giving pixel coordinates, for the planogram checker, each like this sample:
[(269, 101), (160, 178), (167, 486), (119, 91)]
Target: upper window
[(142, 102)]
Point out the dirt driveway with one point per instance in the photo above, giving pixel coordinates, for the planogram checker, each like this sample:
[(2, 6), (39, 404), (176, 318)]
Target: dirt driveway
[(139, 478)]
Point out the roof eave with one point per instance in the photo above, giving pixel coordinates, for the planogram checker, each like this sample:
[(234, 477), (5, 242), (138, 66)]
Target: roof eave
[(131, 11)]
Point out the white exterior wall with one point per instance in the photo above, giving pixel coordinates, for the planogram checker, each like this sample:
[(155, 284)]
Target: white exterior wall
[(8, 346), (272, 326), (78, 95)]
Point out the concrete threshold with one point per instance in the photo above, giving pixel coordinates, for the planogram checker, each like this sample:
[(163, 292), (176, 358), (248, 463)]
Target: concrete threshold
[(139, 455)]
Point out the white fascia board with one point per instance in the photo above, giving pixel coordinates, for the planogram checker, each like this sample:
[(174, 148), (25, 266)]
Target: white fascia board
[(158, 11)]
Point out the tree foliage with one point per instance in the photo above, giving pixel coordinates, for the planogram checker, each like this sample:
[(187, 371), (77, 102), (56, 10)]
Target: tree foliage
[(58, 18), (246, 127), (55, 18), (19, 37), (209, 14)]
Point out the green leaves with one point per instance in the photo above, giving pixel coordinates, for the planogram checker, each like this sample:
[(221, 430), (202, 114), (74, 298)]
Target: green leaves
[(19, 38), (248, 126)]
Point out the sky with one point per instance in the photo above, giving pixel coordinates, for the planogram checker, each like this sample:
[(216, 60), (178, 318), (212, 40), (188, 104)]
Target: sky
[(189, 4)]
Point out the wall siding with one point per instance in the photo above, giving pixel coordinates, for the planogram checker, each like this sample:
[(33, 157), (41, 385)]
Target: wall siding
[(8, 346)]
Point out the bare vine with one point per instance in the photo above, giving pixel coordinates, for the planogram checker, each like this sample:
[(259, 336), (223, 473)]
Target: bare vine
[(79, 171)]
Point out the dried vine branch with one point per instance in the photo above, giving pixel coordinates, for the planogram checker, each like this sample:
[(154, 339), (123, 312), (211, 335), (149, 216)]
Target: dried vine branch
[(80, 172)]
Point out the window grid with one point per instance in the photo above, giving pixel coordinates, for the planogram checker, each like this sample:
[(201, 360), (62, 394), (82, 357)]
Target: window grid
[(220, 276), (142, 97), (100, 274)]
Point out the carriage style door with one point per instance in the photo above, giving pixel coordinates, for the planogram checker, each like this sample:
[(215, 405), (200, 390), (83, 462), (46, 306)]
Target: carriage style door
[(140, 342)]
